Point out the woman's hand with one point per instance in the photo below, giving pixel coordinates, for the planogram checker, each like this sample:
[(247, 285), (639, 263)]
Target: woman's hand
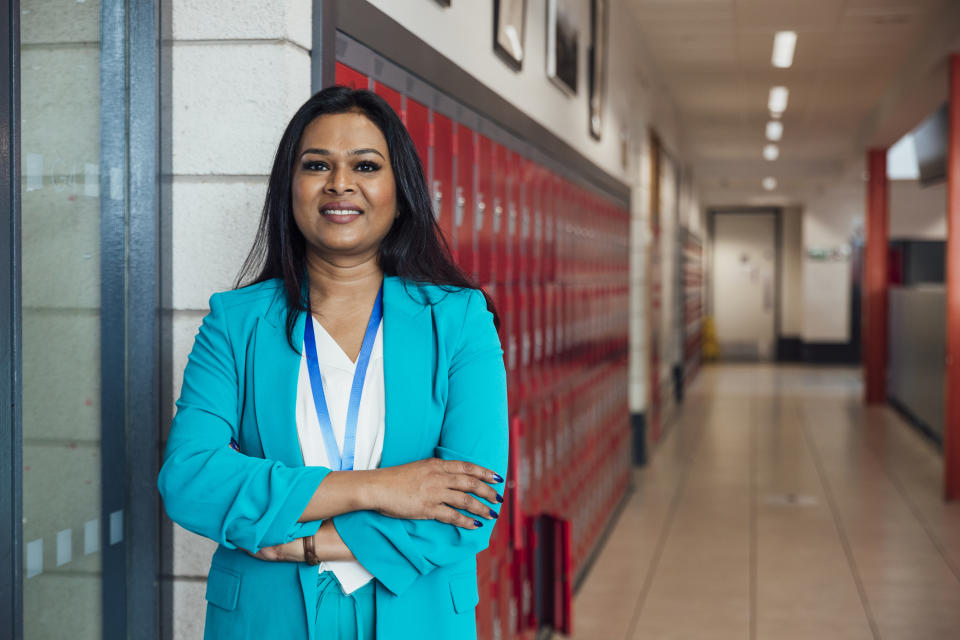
[(434, 489), (287, 552), (326, 544)]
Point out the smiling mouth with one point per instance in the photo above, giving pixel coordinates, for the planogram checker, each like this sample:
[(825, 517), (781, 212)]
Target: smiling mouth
[(342, 213)]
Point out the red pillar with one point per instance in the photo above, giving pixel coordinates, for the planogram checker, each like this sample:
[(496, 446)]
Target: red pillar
[(875, 280), (951, 434)]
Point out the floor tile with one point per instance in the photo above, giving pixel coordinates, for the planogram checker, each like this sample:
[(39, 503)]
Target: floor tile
[(778, 507)]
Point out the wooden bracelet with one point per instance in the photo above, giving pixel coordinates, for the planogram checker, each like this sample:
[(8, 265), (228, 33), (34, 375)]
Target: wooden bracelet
[(309, 554)]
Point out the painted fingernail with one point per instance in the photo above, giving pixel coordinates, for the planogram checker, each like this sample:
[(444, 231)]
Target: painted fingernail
[(493, 514), (477, 523), (499, 498), (497, 477)]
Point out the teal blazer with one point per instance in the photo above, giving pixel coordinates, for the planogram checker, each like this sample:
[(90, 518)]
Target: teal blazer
[(445, 397)]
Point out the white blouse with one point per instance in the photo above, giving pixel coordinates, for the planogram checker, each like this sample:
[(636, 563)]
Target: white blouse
[(336, 370)]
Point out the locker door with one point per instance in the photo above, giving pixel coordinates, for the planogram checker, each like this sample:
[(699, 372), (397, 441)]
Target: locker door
[(418, 124), (393, 98), (505, 299), (502, 166), (483, 213), (463, 220), (351, 77), (549, 257), (531, 202), (444, 198), (507, 241)]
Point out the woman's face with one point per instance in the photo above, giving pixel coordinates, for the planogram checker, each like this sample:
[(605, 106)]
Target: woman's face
[(344, 194)]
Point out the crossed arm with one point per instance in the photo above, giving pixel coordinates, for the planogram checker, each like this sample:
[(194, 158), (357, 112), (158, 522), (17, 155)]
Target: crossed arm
[(422, 490), (398, 522)]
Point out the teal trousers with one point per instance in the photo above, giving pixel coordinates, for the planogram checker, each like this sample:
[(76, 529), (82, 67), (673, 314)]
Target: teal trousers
[(345, 617)]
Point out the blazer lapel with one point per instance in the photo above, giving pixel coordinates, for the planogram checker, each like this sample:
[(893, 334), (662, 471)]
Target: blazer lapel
[(275, 370), (407, 371)]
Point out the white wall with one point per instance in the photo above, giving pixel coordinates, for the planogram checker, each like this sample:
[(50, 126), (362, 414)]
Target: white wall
[(830, 220), (236, 78), (464, 34), (918, 212)]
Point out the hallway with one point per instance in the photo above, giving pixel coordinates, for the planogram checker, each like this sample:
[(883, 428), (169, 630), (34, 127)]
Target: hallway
[(778, 506)]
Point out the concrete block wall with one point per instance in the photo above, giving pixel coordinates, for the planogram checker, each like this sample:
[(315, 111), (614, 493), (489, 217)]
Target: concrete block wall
[(234, 77)]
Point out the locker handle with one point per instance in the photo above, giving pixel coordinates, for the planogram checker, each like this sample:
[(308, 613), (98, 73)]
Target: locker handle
[(461, 204), (437, 199), (481, 207)]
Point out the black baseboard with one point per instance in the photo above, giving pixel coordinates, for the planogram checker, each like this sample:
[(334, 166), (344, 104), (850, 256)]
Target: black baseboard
[(794, 349), (678, 383), (789, 349), (831, 353), (638, 423), (915, 421)]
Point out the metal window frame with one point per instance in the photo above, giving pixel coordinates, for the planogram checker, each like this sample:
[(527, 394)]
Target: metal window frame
[(129, 295), (142, 419), (129, 329), (11, 506)]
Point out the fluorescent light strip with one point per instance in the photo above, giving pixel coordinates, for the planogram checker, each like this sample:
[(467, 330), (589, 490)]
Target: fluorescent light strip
[(774, 130), (771, 152), (777, 102), (784, 44)]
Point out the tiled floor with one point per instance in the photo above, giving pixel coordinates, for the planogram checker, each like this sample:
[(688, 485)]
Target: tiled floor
[(779, 507)]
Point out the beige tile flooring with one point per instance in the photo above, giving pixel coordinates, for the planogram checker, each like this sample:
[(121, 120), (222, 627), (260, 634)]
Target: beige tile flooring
[(779, 507)]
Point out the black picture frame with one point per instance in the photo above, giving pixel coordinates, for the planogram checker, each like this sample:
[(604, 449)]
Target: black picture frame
[(509, 27), (599, 21), (563, 44)]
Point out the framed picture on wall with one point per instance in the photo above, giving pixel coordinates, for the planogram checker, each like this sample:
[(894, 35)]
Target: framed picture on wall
[(598, 64), (563, 43), (508, 28)]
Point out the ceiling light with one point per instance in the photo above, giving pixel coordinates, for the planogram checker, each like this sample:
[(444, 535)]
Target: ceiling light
[(769, 183), (771, 152), (774, 130), (777, 103), (783, 45)]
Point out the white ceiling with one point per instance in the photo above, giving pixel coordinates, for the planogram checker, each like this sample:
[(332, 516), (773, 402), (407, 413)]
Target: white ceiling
[(864, 72)]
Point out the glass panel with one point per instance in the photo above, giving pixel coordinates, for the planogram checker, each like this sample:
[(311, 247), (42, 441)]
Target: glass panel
[(62, 526)]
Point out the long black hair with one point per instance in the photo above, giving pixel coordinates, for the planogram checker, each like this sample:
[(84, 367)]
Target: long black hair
[(413, 249)]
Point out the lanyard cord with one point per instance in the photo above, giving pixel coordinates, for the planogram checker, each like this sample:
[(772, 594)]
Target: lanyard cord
[(334, 458)]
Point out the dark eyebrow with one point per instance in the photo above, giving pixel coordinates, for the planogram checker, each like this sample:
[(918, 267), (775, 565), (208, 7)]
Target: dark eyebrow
[(326, 152)]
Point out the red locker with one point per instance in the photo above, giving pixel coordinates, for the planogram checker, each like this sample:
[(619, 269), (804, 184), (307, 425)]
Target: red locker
[(444, 199), (504, 166), (517, 479), (549, 235), (525, 237), (463, 220), (524, 339), (418, 124), (350, 77), (534, 220), (393, 98), (508, 342), (483, 213), (512, 219)]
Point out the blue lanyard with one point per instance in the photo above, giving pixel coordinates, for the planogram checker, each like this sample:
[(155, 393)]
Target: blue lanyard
[(336, 461)]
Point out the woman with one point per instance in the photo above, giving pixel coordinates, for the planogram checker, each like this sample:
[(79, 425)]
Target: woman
[(309, 432)]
